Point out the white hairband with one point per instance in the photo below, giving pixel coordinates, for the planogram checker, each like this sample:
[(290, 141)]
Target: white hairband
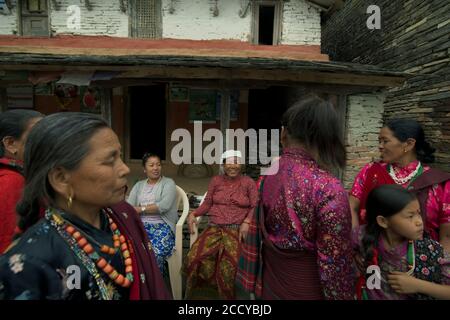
[(231, 153)]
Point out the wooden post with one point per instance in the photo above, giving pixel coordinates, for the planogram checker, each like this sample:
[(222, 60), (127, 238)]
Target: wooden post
[(3, 100), (106, 105), (225, 116)]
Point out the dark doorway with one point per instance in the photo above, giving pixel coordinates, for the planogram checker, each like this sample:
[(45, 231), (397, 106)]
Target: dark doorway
[(265, 107), (265, 24), (147, 120)]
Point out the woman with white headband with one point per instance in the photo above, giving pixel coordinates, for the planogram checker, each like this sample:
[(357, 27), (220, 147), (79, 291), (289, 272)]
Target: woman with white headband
[(211, 263)]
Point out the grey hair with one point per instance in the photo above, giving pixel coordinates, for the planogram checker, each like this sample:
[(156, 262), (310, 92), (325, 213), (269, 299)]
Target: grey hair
[(58, 140)]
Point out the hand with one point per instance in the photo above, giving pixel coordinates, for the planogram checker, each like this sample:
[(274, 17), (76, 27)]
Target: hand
[(192, 220), (138, 209), (403, 283), (243, 231)]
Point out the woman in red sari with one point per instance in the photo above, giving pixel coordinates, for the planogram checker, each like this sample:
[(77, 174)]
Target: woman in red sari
[(14, 128), (404, 152)]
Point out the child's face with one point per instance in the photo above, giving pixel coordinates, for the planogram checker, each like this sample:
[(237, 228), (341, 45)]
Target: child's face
[(408, 222)]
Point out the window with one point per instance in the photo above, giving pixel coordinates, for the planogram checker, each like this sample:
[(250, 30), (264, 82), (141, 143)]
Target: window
[(20, 97), (145, 19), (266, 26), (34, 18)]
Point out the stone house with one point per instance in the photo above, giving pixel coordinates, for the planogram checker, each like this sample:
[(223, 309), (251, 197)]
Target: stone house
[(414, 38), (148, 67)]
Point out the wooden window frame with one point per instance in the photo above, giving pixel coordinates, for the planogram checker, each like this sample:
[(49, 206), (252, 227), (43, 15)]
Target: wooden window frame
[(277, 21), (131, 22), (19, 18)]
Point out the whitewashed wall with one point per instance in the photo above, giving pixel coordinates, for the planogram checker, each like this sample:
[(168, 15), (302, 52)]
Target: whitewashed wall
[(8, 21), (105, 18), (301, 24), (193, 19), (364, 121)]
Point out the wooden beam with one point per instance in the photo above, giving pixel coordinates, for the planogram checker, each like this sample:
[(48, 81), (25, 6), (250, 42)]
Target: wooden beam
[(242, 85), (315, 73), (272, 75)]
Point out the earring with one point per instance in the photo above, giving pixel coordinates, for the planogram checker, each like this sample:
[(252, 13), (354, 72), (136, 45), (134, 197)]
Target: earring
[(69, 202), (404, 150)]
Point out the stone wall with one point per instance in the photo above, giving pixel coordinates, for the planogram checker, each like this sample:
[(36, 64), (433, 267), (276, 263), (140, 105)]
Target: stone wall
[(415, 38), (363, 123)]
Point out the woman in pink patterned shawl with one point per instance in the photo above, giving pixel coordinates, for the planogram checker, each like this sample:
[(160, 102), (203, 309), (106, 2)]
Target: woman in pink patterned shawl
[(404, 152), (303, 215)]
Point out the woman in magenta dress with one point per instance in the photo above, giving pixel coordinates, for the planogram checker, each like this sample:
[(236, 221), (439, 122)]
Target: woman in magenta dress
[(404, 152), (303, 215)]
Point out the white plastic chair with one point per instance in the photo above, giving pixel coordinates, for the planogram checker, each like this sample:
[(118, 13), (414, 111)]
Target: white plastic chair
[(176, 259), (193, 237)]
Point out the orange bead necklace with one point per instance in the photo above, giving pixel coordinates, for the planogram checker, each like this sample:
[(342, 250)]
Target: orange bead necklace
[(119, 241)]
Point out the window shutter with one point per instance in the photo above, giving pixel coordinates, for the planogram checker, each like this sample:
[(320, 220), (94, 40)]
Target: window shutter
[(146, 17)]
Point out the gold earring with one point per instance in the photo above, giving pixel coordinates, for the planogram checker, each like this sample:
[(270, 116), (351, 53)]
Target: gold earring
[(69, 202)]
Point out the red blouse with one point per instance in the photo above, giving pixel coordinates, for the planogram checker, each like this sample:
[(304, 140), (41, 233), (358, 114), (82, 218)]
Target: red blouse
[(11, 186), (229, 200)]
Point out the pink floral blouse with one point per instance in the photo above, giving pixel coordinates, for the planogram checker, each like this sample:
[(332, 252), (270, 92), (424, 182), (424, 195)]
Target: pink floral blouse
[(306, 208)]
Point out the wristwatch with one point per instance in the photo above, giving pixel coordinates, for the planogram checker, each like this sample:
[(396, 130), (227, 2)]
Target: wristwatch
[(142, 209)]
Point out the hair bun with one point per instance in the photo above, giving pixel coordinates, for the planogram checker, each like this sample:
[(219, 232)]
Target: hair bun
[(425, 152)]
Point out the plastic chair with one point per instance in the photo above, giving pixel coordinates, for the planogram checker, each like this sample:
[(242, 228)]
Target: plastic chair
[(176, 259), (193, 237)]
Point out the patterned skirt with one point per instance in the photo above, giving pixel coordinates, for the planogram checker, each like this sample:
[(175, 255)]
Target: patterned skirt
[(163, 241), (211, 264)]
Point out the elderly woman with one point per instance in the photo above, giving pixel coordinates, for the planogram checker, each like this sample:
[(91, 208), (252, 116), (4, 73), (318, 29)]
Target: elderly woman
[(155, 199), (304, 215), (212, 261), (404, 151), (14, 128), (90, 244)]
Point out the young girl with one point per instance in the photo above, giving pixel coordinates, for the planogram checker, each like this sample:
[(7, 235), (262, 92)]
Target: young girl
[(393, 241)]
